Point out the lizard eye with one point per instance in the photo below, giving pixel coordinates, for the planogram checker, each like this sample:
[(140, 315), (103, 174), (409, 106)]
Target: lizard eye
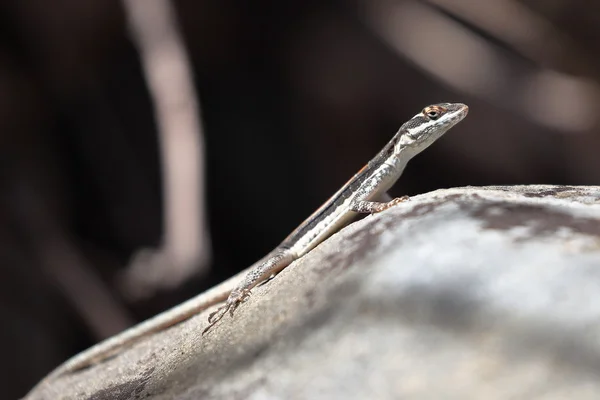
[(432, 114)]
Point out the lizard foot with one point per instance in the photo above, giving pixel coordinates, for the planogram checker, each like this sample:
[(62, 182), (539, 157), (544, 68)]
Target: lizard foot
[(233, 302), (393, 202)]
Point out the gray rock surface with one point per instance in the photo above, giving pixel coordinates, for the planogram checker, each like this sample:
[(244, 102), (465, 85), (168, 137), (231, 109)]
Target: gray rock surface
[(470, 293)]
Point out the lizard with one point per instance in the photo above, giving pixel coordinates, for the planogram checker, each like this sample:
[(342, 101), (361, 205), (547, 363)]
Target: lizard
[(364, 193)]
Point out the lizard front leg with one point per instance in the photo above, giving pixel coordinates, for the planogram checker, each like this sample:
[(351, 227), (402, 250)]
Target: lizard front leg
[(274, 262)]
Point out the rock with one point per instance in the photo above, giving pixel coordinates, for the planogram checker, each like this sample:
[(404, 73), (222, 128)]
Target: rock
[(470, 293)]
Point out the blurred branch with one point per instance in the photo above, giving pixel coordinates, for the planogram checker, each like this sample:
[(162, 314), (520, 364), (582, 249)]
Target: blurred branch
[(461, 59), (186, 244)]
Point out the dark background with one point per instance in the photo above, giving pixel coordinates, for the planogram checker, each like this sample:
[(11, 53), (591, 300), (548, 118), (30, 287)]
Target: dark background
[(295, 97)]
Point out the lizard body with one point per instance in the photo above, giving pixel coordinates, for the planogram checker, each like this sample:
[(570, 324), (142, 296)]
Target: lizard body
[(363, 193)]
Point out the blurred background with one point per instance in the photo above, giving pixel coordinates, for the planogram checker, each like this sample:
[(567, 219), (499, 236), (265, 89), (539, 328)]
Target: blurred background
[(151, 148)]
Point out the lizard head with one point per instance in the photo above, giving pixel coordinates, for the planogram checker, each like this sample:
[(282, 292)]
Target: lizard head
[(429, 125)]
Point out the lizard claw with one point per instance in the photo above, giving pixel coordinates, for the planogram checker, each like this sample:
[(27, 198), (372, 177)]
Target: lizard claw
[(231, 305), (399, 200), (392, 203), (215, 317), (218, 314), (241, 298)]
